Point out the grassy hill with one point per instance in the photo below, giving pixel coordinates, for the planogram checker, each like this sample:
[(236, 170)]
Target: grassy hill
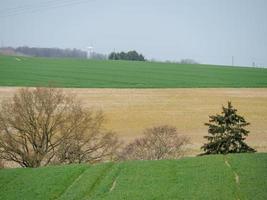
[(242, 176), (26, 71)]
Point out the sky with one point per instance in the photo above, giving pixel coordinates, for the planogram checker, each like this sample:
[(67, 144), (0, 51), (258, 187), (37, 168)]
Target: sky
[(208, 31)]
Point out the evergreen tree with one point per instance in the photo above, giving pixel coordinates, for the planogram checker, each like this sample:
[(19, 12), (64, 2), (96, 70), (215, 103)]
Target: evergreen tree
[(227, 133), (130, 55)]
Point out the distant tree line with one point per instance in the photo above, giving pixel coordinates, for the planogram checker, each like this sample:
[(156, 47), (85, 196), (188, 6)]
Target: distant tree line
[(188, 61), (182, 61), (51, 52), (130, 55), (98, 56), (77, 53)]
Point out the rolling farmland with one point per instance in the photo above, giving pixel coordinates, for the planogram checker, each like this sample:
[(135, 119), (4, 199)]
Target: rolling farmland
[(129, 100), (241, 176), (126, 94), (135, 96), (27, 71)]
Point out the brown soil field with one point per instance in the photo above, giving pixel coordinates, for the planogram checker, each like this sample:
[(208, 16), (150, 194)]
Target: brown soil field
[(129, 111)]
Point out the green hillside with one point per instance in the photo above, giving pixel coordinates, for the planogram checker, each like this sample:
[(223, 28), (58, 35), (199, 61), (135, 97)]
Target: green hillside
[(26, 71), (242, 176)]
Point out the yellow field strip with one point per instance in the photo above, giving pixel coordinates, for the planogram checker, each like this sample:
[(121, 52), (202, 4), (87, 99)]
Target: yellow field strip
[(129, 111)]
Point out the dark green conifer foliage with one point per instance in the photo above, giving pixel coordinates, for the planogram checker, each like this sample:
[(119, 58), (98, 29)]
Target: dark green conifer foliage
[(227, 133)]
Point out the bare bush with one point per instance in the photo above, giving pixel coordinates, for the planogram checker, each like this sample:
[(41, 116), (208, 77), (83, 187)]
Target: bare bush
[(162, 142), (2, 164), (36, 122)]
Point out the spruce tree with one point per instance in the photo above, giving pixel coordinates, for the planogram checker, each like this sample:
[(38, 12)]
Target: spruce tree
[(227, 133)]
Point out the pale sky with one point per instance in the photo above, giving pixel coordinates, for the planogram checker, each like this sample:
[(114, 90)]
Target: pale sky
[(209, 31)]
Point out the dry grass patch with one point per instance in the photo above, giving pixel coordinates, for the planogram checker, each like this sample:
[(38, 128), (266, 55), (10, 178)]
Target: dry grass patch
[(129, 111)]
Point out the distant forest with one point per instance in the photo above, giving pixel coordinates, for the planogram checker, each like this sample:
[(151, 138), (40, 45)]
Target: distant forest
[(77, 53), (44, 52), (69, 53)]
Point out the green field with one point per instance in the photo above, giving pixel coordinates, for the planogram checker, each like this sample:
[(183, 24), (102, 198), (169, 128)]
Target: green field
[(209, 177), (26, 71)]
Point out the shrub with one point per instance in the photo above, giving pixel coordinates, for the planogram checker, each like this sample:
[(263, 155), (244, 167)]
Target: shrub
[(162, 142)]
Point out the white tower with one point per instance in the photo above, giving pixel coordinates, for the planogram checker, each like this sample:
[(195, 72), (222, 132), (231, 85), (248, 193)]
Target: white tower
[(89, 51)]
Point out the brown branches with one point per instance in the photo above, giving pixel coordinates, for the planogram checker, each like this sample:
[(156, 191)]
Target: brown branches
[(38, 123), (93, 145), (43, 125), (162, 142)]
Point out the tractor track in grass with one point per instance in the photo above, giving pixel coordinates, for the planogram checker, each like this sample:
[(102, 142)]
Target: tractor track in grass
[(113, 185), (105, 172), (93, 187), (75, 180), (236, 176), (115, 177), (234, 172)]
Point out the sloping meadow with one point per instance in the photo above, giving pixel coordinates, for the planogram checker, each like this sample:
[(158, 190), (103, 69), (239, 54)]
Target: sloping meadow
[(242, 176)]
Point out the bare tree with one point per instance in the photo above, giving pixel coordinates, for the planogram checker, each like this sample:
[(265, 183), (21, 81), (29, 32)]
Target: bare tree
[(162, 142), (93, 145), (37, 121)]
